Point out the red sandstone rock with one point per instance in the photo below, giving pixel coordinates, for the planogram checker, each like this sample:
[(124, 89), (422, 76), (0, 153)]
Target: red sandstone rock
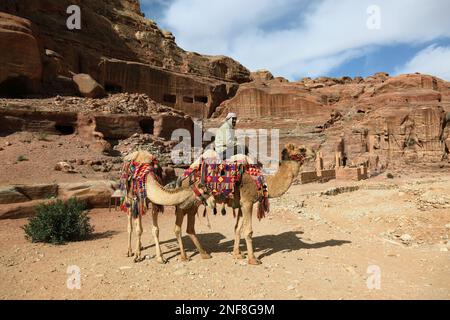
[(262, 75), (20, 60), (117, 29), (191, 94), (88, 87)]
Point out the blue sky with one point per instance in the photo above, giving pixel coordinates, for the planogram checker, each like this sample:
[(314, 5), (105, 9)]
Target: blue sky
[(299, 38)]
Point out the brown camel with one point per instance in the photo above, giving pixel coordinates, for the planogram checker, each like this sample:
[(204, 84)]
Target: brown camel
[(160, 196), (292, 160)]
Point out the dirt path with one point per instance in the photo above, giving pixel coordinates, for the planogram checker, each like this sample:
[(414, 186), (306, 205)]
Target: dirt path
[(312, 247)]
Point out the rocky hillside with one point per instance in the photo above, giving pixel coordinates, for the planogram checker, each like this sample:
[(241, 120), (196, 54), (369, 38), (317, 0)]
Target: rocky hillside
[(43, 52), (375, 121)]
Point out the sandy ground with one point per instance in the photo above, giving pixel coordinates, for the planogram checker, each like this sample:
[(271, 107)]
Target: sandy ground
[(312, 246), (39, 158)]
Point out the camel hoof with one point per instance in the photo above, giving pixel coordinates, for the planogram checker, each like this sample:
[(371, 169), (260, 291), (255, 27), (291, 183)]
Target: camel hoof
[(137, 259), (254, 262), (130, 254), (205, 256), (185, 259), (161, 260), (238, 256)]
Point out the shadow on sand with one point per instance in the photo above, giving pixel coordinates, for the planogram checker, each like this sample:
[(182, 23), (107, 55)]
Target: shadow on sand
[(264, 246), (102, 235)]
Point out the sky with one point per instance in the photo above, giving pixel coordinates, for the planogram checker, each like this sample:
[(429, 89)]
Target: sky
[(300, 38)]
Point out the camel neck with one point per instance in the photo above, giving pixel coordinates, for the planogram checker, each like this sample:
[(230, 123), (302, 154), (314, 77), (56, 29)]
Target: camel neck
[(279, 183), (159, 195)]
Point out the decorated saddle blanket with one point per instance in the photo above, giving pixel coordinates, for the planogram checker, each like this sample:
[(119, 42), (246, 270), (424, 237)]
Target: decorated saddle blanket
[(133, 179), (220, 179)]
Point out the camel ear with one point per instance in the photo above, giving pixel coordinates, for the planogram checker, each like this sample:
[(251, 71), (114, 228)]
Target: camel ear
[(290, 146)]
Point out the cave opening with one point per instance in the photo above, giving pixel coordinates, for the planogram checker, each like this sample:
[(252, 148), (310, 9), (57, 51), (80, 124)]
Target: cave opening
[(147, 126), (65, 130), (14, 87), (170, 98), (113, 88), (202, 99)]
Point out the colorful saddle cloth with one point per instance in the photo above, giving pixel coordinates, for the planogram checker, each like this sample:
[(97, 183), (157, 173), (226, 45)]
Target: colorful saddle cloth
[(133, 180), (220, 179)]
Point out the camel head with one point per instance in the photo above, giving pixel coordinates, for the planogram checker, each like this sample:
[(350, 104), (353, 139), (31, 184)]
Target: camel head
[(300, 154), (140, 156)]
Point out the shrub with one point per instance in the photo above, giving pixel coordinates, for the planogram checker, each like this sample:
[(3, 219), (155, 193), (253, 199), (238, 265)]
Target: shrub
[(59, 222), (22, 158), (43, 136), (390, 176)]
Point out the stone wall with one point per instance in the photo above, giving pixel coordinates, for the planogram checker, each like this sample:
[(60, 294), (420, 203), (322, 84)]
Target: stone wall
[(353, 174)]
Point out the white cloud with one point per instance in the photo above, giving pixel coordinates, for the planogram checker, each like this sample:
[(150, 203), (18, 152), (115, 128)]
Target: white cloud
[(320, 36), (433, 60)]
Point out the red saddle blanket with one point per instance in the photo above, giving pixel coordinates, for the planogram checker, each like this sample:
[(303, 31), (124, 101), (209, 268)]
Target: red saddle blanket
[(133, 180), (221, 179)]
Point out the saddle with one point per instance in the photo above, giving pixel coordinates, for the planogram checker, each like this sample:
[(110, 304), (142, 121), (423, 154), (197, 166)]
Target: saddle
[(222, 178)]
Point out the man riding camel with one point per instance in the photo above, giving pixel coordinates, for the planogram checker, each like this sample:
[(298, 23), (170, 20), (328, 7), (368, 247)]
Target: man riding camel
[(226, 142)]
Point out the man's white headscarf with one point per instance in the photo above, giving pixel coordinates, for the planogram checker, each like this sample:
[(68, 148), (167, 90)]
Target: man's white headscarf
[(231, 115)]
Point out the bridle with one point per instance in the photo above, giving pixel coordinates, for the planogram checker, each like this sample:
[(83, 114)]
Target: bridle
[(297, 157)]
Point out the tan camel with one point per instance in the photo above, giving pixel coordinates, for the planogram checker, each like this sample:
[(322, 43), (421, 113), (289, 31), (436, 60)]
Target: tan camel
[(158, 196), (292, 160)]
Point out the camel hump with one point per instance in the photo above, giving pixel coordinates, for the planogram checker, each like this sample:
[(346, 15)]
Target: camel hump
[(140, 156), (241, 158), (208, 154), (213, 157)]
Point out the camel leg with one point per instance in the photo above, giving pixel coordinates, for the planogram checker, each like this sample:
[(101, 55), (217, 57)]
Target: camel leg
[(130, 231), (190, 230), (155, 231), (237, 235), (138, 222), (178, 223), (248, 233)]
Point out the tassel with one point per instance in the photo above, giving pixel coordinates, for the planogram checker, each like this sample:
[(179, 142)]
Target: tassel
[(215, 211), (224, 210), (204, 212), (135, 210), (261, 214)]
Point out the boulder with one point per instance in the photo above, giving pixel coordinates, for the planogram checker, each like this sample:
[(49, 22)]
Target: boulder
[(64, 167), (21, 210), (38, 191), (97, 194), (24, 193), (11, 195), (88, 87)]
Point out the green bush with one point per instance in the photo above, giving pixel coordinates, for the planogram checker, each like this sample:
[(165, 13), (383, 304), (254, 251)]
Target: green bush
[(22, 158), (43, 136), (59, 222)]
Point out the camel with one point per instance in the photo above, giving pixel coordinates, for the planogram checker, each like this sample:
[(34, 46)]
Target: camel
[(278, 184), (160, 196)]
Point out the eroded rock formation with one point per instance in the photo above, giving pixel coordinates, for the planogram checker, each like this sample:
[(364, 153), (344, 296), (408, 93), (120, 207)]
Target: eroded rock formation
[(375, 121), (20, 58), (109, 29)]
